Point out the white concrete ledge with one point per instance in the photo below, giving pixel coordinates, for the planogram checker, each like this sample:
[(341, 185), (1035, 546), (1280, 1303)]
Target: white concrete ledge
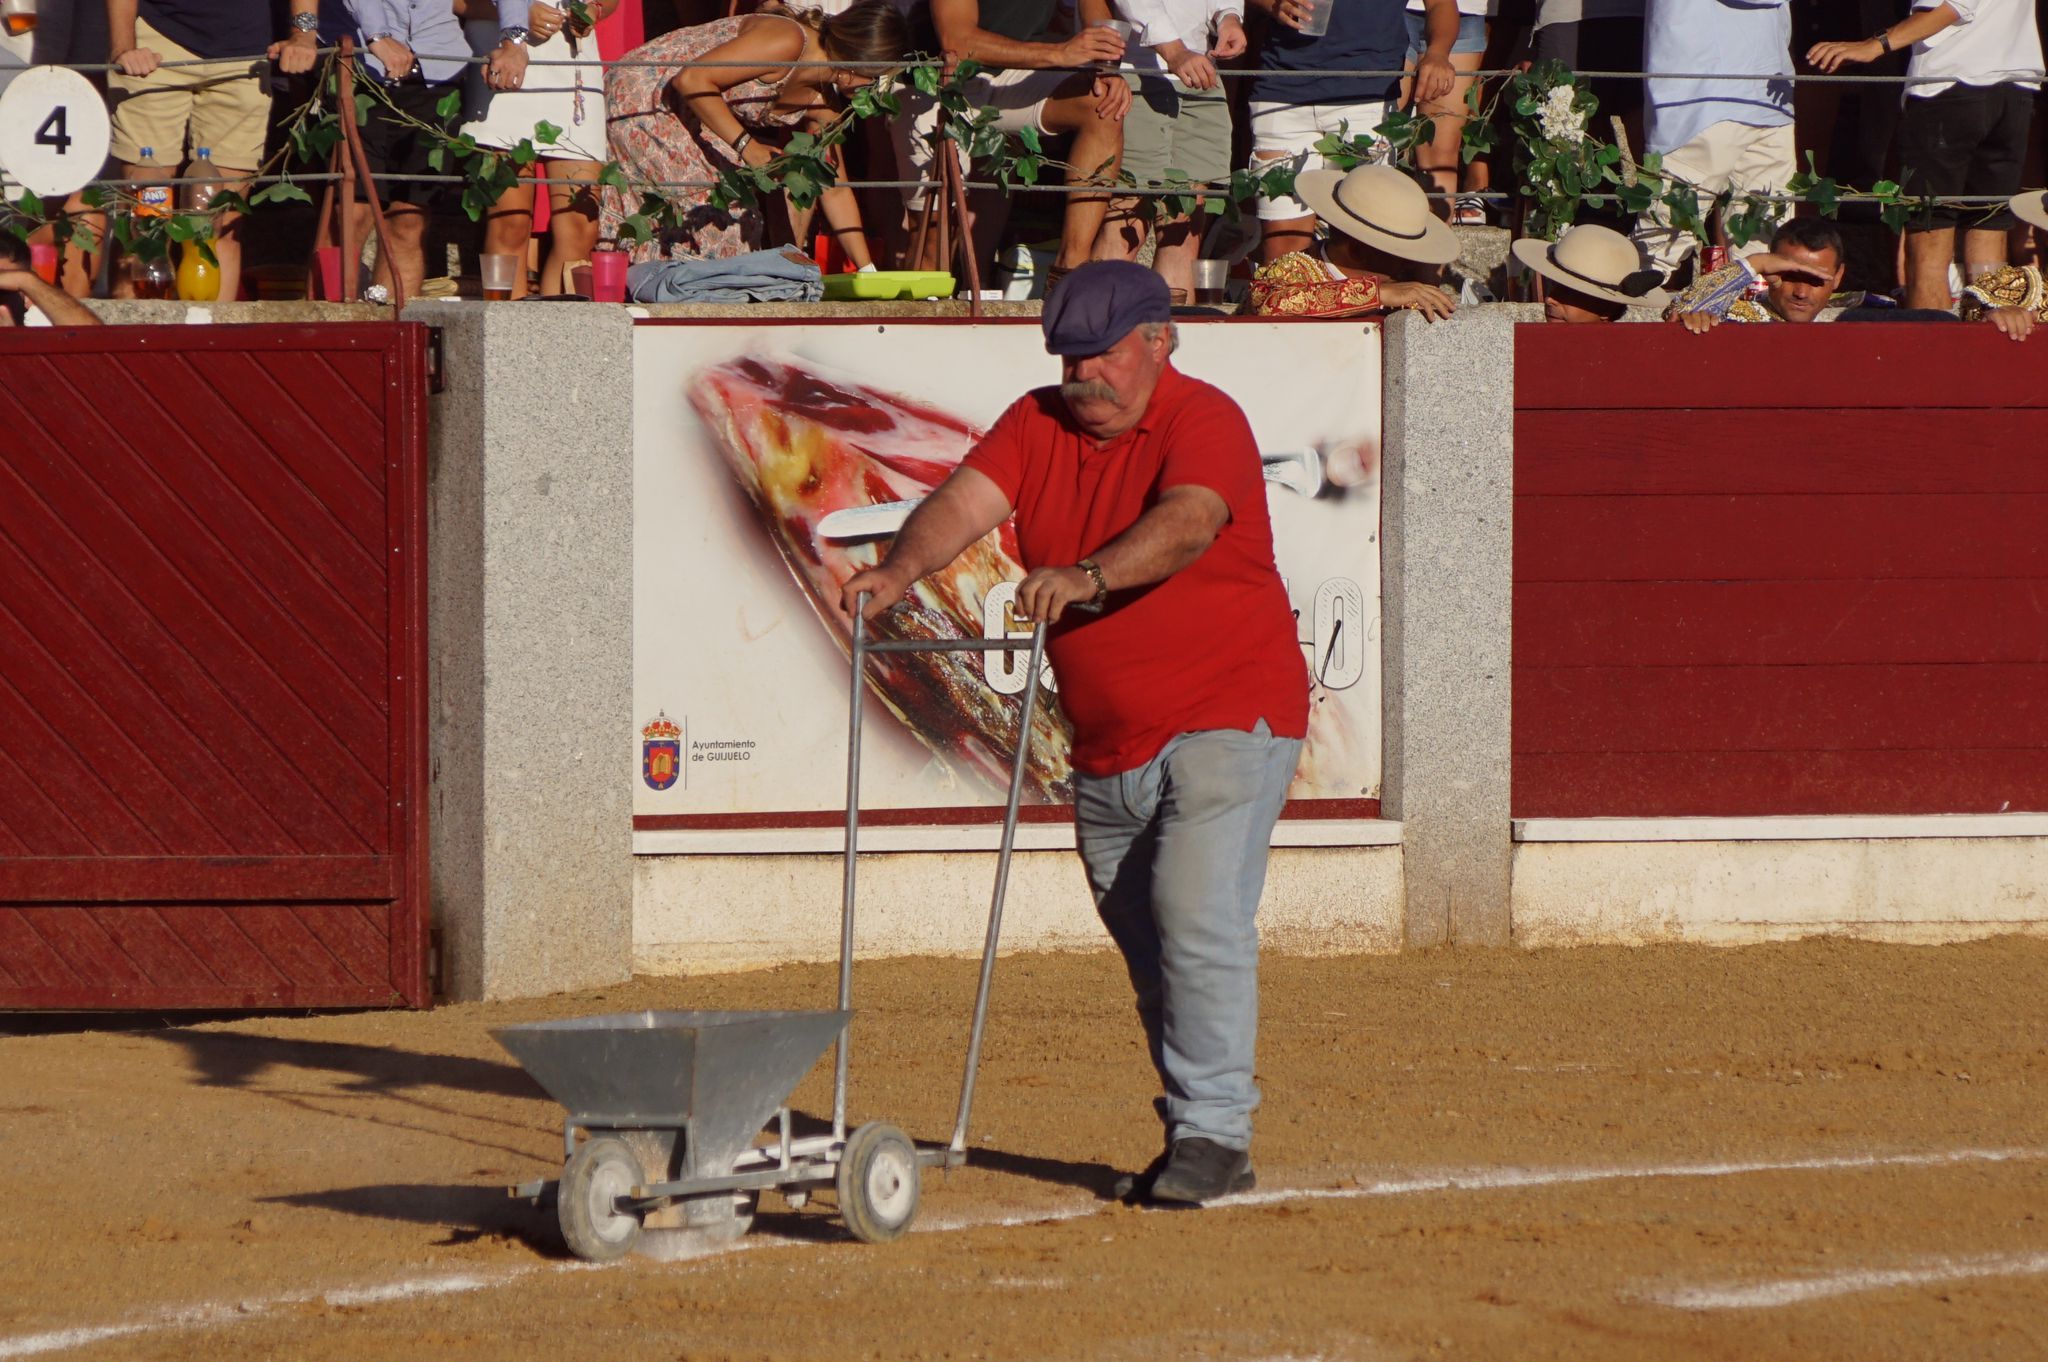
[(1804, 829), (1917, 889), (1292, 832), (713, 913)]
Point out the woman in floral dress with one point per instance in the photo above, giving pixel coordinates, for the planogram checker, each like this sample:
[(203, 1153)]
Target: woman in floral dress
[(675, 121)]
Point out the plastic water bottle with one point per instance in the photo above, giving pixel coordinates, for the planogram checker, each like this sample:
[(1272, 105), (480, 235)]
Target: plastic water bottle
[(199, 281), (207, 181)]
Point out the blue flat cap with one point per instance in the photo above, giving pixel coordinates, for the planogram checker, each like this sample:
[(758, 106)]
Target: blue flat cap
[(1099, 304)]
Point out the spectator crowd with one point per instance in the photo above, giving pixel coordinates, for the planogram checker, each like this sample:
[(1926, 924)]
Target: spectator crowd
[(1140, 105)]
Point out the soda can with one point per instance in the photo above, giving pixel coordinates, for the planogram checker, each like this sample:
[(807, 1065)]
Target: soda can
[(1713, 258)]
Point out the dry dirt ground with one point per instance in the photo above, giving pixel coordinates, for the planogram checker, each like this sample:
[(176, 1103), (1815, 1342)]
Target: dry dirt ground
[(1822, 1150)]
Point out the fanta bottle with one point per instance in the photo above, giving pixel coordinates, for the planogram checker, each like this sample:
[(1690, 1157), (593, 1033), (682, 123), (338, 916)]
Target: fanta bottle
[(152, 200)]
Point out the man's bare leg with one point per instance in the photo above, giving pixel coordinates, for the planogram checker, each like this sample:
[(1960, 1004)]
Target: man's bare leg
[(1098, 151), (1983, 250), (1174, 258), (406, 234), (1929, 253)]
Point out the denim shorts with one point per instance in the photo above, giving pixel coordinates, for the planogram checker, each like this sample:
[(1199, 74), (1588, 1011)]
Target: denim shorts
[(1471, 33)]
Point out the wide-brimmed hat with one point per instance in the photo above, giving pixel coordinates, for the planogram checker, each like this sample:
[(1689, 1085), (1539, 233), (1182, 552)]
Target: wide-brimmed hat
[(2031, 208), (1381, 207), (1597, 261)]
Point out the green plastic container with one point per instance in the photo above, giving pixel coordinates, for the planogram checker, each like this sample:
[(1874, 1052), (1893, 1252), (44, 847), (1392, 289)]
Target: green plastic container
[(881, 284)]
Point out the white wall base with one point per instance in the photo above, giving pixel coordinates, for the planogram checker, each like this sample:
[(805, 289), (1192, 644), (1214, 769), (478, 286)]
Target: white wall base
[(1729, 893), (698, 914)]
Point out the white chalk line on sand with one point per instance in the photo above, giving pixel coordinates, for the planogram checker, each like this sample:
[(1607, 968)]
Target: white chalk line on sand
[(1796, 1290), (1468, 1180), (235, 1312)]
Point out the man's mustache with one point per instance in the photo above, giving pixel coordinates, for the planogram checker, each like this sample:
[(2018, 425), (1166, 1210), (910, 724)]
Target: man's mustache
[(1089, 390)]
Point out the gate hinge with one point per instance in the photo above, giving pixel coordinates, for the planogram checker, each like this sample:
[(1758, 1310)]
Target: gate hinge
[(437, 372)]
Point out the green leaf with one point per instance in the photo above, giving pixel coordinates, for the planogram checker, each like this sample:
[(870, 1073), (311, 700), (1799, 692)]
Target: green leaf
[(966, 71), (437, 159), (1885, 189), (612, 176), (281, 193), (450, 104), (925, 78), (363, 106), (546, 133), (30, 203), (524, 154), (1031, 141)]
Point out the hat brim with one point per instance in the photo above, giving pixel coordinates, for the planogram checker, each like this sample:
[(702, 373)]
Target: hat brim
[(2031, 208), (1534, 253), (1438, 244)]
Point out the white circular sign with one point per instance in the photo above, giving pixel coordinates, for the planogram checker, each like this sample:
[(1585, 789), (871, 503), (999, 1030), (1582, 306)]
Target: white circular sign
[(53, 130)]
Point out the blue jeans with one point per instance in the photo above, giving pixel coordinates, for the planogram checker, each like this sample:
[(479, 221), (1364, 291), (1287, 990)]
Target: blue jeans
[(1176, 855)]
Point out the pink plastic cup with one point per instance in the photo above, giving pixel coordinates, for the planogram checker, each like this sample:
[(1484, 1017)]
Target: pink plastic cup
[(42, 258), (608, 276)]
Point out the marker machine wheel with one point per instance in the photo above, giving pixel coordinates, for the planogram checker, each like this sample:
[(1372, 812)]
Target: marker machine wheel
[(603, 1169), (878, 1183)]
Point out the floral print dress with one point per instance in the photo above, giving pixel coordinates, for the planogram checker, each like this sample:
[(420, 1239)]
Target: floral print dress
[(655, 143)]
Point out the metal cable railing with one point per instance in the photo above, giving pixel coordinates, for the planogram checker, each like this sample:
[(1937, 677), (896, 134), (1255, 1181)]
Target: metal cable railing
[(1226, 72)]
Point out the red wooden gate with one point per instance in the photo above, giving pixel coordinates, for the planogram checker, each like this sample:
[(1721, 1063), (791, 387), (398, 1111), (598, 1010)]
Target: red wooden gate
[(213, 667), (1780, 570)]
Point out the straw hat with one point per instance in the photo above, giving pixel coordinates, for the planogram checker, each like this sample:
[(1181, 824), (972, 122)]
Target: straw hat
[(1597, 261), (2031, 208), (1381, 207)]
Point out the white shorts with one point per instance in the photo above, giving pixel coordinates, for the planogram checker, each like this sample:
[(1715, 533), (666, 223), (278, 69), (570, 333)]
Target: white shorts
[(1289, 132), (1018, 92)]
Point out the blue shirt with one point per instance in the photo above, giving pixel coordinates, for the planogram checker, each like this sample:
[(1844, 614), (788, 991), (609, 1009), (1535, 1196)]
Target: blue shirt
[(428, 27), (1365, 35), (1733, 37), (211, 28)]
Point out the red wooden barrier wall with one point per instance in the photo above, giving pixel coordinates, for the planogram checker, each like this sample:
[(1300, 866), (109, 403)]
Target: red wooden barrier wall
[(1780, 570), (212, 667)]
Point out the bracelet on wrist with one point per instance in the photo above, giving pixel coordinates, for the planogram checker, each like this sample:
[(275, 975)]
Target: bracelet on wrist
[(739, 144)]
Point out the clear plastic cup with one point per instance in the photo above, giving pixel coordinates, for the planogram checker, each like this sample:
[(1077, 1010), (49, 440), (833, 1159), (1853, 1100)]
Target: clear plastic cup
[(1122, 30), (1212, 283), (1318, 21), (500, 273)]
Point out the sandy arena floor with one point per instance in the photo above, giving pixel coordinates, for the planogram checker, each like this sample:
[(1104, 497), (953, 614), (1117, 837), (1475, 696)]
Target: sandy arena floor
[(1825, 1150)]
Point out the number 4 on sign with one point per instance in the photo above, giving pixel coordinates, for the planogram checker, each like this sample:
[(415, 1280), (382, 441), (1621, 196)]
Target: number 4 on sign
[(53, 131)]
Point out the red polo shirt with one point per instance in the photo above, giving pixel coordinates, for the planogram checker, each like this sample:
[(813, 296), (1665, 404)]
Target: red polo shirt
[(1212, 646)]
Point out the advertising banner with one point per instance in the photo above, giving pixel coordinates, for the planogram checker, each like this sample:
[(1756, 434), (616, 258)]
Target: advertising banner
[(748, 435)]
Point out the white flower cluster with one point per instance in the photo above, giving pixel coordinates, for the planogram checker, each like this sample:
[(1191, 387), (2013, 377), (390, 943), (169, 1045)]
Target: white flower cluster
[(1558, 119)]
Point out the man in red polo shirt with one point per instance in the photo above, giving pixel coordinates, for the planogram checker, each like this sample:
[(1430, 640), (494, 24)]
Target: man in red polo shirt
[(1141, 512)]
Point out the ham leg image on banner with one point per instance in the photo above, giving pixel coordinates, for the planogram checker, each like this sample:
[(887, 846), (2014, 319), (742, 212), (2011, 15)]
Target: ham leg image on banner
[(803, 446)]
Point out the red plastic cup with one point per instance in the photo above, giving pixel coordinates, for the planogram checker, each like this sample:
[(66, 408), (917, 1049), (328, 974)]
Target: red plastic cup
[(608, 276), (327, 259), (42, 258)]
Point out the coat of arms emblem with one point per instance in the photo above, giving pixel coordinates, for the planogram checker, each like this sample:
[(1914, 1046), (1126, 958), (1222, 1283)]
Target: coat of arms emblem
[(661, 752)]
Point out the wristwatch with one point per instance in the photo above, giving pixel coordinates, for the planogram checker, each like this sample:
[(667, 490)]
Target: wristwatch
[(305, 23), (1884, 39), (515, 34), (1101, 596)]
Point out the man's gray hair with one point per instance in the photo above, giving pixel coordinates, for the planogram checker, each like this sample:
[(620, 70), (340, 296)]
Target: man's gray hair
[(1150, 331)]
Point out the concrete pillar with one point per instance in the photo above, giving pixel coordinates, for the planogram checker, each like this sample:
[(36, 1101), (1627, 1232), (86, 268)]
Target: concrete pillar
[(1446, 593), (530, 562)]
